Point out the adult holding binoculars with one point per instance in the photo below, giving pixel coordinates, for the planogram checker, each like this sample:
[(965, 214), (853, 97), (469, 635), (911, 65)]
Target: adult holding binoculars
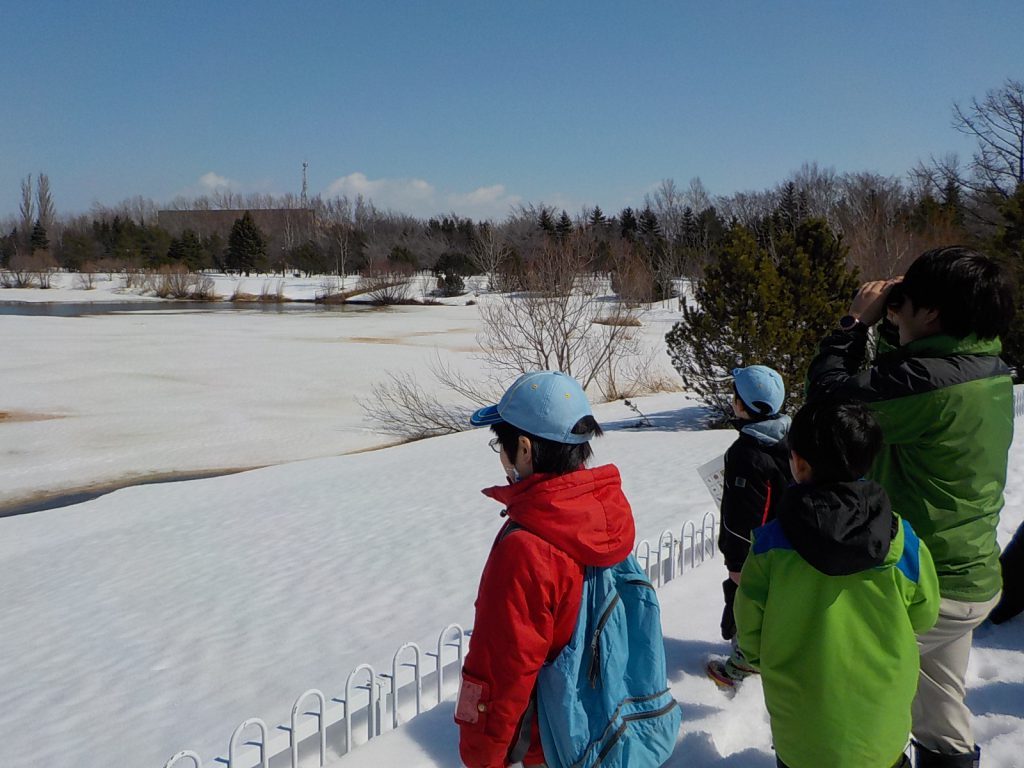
[(944, 400)]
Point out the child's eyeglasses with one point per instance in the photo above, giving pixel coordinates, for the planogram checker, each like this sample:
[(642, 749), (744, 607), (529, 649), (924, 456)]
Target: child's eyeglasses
[(495, 444)]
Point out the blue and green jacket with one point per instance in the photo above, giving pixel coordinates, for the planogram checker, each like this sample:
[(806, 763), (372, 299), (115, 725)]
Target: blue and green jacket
[(829, 603)]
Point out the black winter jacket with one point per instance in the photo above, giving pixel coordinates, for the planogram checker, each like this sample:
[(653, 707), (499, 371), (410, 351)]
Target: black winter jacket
[(756, 474)]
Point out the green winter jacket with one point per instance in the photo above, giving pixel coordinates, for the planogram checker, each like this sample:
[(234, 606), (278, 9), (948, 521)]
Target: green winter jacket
[(829, 602), (946, 409)]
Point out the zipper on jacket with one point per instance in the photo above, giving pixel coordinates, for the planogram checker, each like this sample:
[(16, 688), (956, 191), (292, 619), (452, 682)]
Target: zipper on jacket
[(595, 648), (625, 724), (640, 583)]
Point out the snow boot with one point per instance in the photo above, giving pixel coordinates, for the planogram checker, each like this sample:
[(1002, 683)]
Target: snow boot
[(729, 673), (925, 758), (715, 669)]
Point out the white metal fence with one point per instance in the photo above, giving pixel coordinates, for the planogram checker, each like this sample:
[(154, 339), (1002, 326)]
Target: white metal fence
[(333, 721)]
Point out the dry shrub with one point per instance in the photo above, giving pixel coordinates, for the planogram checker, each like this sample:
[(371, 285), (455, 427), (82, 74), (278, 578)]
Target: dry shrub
[(85, 280), (633, 279), (29, 270), (387, 283), (401, 406), (272, 294), (239, 295), (204, 289), (44, 265), (329, 288), (174, 281), (137, 278)]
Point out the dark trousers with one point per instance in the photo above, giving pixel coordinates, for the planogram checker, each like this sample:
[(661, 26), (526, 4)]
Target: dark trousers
[(729, 588), (1012, 560)]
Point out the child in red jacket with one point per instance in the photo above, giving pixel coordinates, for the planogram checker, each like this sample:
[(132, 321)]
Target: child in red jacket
[(562, 518)]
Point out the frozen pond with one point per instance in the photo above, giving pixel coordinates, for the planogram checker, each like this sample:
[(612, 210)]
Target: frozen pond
[(81, 309)]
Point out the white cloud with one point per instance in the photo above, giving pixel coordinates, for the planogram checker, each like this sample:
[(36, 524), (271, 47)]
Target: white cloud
[(420, 198), (211, 182)]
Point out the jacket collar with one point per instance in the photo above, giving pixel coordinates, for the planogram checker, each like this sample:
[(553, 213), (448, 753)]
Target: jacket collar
[(942, 344), (770, 431), (583, 513)]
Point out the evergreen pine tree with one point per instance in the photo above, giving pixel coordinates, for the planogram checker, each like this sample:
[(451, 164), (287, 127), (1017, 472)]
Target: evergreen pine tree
[(648, 224), (546, 221), (247, 247), (751, 308), (38, 241), (788, 214), (597, 217), (564, 226), (952, 202), (8, 247), (187, 250), (688, 228), (627, 224)]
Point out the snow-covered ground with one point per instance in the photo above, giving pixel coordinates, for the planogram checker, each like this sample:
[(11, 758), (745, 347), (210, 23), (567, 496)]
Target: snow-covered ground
[(157, 618), (92, 401)]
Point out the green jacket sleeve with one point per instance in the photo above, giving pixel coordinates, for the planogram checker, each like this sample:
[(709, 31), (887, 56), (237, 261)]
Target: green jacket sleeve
[(924, 606), (749, 608)]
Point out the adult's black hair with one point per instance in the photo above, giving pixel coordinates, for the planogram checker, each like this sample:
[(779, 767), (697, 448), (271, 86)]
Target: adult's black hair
[(971, 291), (549, 456), (838, 439)]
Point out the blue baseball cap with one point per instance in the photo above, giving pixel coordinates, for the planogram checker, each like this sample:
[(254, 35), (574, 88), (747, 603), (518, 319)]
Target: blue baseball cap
[(760, 388), (543, 403)]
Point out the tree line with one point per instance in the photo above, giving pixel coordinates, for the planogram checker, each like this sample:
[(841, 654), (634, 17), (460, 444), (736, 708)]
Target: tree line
[(795, 249)]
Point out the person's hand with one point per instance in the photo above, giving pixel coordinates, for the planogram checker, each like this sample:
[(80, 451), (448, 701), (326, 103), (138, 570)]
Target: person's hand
[(870, 302)]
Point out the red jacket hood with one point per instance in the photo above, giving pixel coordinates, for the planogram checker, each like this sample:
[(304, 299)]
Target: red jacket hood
[(583, 513)]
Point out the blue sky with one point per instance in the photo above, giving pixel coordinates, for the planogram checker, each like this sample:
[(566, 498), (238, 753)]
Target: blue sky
[(475, 106)]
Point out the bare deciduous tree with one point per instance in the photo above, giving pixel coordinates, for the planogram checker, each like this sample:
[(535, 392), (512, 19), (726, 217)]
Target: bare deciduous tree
[(400, 406), (562, 321), (697, 196), (997, 123), (45, 210), (872, 223), (550, 326), (27, 210), (669, 204), (490, 251)]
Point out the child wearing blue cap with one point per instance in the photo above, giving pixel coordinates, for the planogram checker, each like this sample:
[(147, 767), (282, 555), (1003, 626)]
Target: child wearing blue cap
[(562, 517), (756, 473)]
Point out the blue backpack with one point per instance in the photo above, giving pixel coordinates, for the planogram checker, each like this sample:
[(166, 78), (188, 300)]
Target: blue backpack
[(604, 701)]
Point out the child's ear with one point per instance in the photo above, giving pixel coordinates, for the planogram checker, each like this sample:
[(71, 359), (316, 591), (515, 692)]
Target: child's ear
[(525, 450), (801, 470)]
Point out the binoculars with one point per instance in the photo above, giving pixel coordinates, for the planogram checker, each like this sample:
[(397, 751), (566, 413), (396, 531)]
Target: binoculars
[(894, 300)]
